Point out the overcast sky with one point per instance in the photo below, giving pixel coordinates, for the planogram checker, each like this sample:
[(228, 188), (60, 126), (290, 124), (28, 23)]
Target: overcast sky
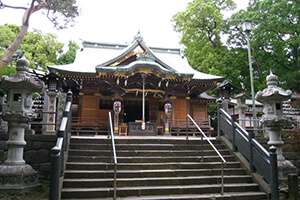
[(114, 21)]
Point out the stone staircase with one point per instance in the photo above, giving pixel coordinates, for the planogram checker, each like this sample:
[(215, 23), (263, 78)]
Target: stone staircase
[(155, 168)]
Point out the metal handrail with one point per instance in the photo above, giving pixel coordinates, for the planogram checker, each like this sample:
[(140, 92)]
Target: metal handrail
[(115, 160), (216, 150), (208, 140), (59, 151)]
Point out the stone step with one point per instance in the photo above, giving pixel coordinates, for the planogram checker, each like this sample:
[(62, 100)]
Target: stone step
[(151, 173), (157, 190), (145, 166), (214, 196), (152, 159), (86, 146), (145, 140), (154, 168), (126, 153), (155, 181)]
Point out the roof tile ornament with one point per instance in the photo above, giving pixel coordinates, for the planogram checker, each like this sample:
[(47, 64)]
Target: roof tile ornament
[(138, 36)]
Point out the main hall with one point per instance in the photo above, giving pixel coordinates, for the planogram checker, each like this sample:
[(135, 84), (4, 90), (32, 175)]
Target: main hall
[(150, 90)]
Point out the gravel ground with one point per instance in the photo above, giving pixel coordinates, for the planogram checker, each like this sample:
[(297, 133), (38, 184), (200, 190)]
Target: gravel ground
[(39, 193)]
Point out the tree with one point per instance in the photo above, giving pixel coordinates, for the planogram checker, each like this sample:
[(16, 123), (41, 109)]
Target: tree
[(40, 49), (201, 25), (275, 40), (69, 56), (60, 13)]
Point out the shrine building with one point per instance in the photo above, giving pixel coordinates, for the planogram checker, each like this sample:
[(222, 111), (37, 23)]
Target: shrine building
[(149, 90)]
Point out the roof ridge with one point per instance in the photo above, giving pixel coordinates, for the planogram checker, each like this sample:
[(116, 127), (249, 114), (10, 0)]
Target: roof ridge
[(91, 44)]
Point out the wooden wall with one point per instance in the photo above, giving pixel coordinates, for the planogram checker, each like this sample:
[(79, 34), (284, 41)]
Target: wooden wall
[(180, 111), (90, 112), (199, 111), (182, 107)]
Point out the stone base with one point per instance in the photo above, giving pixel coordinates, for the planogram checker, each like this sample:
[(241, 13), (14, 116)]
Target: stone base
[(17, 177), (285, 168)]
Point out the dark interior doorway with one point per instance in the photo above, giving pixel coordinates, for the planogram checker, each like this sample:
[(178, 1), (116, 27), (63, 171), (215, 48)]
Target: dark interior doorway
[(133, 110)]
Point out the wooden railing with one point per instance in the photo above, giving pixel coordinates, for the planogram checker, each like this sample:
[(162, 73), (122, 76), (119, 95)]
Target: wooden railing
[(88, 126), (188, 128), (60, 150)]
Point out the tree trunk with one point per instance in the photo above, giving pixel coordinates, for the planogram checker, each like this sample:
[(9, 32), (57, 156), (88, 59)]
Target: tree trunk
[(8, 55)]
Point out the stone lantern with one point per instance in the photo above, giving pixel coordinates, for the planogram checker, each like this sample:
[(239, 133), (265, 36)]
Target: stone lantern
[(273, 119), (225, 90), (14, 172)]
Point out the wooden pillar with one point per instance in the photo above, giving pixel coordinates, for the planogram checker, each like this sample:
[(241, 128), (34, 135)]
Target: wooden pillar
[(143, 105), (188, 111)]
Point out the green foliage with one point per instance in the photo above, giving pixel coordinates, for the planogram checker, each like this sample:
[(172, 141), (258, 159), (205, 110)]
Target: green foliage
[(40, 49), (69, 56), (7, 36), (9, 70), (275, 40), (201, 25)]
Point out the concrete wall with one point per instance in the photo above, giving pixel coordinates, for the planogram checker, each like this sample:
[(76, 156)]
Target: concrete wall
[(37, 151)]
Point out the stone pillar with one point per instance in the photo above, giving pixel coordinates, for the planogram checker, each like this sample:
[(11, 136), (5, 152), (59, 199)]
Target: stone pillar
[(3, 124), (61, 101), (225, 89), (49, 117), (274, 121), (241, 109), (14, 172)]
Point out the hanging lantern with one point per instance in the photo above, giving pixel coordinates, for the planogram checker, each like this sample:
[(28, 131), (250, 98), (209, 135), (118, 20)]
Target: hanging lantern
[(168, 108), (117, 107)]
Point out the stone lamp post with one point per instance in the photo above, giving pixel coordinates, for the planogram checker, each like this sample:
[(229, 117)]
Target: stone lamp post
[(273, 119), (14, 172)]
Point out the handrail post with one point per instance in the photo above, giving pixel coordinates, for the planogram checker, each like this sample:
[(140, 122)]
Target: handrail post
[(250, 137), (218, 118), (54, 193), (233, 134), (115, 181), (219, 105), (222, 179), (274, 174)]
